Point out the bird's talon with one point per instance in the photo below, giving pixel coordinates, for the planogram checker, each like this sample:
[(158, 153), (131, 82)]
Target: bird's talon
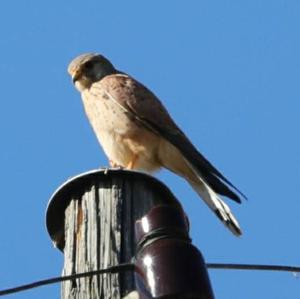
[(106, 170)]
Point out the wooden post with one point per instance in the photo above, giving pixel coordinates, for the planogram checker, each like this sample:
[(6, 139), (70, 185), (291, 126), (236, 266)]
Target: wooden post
[(96, 220)]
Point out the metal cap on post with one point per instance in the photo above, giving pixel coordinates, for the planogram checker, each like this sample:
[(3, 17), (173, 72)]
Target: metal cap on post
[(98, 220)]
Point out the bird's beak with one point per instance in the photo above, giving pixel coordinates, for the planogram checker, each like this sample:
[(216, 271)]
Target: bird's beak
[(75, 77)]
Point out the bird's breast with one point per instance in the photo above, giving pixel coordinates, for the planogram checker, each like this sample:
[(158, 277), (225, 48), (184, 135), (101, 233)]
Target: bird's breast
[(120, 136), (105, 114)]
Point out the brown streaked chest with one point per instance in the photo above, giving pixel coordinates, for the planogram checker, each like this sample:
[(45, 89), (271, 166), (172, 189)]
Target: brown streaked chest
[(104, 113)]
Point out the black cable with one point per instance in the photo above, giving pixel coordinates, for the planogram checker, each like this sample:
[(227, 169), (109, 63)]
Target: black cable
[(113, 269), (254, 267), (131, 267)]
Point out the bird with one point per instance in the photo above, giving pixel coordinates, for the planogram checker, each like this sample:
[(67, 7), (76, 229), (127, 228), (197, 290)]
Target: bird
[(137, 132)]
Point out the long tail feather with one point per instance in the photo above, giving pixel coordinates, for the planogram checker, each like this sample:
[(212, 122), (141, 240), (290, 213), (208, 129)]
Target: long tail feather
[(215, 203), (179, 164), (218, 206)]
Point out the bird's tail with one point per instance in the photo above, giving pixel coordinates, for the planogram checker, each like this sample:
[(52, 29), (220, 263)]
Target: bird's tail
[(179, 164), (215, 203)]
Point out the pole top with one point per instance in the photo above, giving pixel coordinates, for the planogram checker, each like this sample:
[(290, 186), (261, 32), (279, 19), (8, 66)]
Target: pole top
[(76, 186)]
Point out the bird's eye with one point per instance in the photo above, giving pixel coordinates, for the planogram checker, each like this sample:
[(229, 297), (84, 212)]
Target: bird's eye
[(89, 65)]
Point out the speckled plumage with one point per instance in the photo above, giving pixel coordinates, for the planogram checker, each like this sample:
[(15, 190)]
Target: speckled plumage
[(118, 133), (137, 132)]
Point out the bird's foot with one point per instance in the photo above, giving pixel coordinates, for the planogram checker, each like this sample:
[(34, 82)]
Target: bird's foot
[(132, 162), (114, 165)]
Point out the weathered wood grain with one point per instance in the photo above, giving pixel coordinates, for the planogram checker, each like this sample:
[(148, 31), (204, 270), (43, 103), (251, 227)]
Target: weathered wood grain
[(99, 211)]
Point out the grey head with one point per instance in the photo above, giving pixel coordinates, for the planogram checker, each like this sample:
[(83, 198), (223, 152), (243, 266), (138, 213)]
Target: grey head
[(89, 68)]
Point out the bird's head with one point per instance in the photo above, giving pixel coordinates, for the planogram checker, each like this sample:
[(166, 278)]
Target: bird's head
[(89, 68)]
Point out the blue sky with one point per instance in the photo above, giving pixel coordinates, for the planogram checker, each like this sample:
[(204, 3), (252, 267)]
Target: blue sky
[(228, 71)]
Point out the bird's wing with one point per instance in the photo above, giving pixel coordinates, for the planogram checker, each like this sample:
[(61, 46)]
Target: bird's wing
[(143, 106)]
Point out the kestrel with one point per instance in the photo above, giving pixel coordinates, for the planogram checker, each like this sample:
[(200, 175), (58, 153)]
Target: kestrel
[(137, 132)]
